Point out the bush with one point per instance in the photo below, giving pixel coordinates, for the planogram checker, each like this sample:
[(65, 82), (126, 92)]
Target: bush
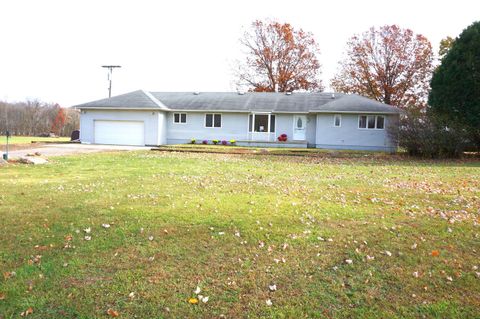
[(204, 142), (233, 142), (283, 138), (224, 142), (193, 141), (215, 142), (430, 137)]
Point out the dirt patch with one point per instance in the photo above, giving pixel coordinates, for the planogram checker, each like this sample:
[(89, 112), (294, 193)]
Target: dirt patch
[(19, 147)]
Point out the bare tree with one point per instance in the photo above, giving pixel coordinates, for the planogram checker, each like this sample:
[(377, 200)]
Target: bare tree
[(33, 118)]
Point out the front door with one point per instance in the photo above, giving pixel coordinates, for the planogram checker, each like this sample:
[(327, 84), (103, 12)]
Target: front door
[(299, 127)]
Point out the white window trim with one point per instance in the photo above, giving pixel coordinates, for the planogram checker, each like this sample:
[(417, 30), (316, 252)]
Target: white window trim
[(375, 128), (213, 120), (340, 116), (179, 118), (268, 126)]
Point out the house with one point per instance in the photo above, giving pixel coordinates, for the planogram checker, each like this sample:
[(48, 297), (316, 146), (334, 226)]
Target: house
[(321, 120)]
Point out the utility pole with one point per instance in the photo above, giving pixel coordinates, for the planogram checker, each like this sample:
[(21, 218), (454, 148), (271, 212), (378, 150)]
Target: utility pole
[(110, 69)]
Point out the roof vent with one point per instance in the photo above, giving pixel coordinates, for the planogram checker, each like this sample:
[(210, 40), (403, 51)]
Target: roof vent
[(288, 93), (196, 93), (333, 95), (241, 92)]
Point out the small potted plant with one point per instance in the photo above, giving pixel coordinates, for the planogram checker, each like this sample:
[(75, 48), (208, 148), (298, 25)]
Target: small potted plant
[(193, 141), (233, 142), (215, 142), (205, 142), (224, 142), (283, 137)]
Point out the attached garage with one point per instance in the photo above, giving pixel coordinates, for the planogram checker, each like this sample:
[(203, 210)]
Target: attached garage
[(119, 132), (135, 118)]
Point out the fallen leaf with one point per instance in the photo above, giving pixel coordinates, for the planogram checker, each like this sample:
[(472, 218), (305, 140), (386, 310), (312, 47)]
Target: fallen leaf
[(272, 287), (389, 254), (348, 261), (106, 225), (205, 299), (112, 313), (193, 301), (197, 290), (87, 230), (435, 253), (2, 296), (269, 302), (27, 312)]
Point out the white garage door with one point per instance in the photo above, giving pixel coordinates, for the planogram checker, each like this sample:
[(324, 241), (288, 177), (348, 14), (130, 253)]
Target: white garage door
[(119, 132)]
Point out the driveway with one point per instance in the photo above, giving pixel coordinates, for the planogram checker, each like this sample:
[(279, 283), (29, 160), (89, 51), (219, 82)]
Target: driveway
[(72, 149)]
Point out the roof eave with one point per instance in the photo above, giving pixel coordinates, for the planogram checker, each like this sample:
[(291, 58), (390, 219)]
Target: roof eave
[(117, 108), (355, 112)]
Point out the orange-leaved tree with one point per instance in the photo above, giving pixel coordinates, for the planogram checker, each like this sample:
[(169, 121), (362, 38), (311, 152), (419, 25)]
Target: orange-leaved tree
[(389, 64), (59, 121), (279, 56)]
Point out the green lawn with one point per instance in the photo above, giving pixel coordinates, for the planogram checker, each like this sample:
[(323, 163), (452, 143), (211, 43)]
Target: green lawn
[(339, 237), (29, 139)]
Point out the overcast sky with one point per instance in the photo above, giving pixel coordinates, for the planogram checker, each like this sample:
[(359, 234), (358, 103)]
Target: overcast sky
[(53, 50)]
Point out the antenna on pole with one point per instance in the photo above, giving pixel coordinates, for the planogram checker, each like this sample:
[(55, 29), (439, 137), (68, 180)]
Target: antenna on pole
[(110, 70)]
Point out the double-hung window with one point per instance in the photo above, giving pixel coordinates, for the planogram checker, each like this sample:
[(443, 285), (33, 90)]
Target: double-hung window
[(213, 120), (337, 120), (179, 118)]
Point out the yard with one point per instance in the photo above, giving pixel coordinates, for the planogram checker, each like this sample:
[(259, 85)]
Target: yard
[(29, 139), (134, 234)]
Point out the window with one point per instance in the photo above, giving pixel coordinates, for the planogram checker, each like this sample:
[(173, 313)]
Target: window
[(261, 123), (371, 122), (337, 120), (213, 120), (362, 121), (380, 122), (180, 118)]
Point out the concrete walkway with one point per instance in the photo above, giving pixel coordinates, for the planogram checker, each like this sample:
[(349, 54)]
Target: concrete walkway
[(72, 149)]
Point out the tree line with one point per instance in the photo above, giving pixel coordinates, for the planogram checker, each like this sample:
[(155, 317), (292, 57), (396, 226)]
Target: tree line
[(35, 118), (390, 64)]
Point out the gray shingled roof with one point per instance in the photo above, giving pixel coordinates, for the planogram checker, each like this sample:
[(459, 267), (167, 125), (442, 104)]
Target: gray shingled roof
[(353, 103), (250, 101), (134, 100)]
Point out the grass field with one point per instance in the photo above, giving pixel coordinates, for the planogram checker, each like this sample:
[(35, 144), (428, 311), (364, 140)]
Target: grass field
[(28, 139), (345, 237)]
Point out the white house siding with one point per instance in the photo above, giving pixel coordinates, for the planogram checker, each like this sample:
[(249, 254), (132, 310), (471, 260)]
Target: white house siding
[(349, 136), (234, 126), (311, 129), (151, 120)]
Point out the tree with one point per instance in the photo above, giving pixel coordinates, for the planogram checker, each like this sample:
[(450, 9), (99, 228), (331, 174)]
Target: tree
[(279, 55), (59, 121), (455, 85), (390, 64), (34, 118), (445, 45)]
